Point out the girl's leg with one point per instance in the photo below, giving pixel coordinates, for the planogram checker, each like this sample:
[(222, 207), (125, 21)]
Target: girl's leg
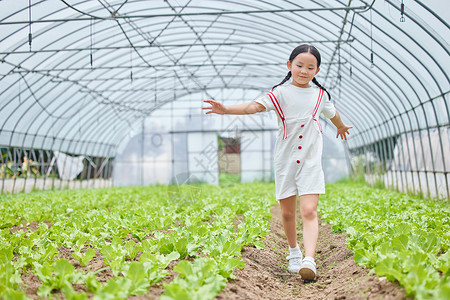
[(288, 217), (308, 210)]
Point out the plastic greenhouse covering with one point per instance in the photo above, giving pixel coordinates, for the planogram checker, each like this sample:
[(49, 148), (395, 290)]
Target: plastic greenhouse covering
[(110, 92)]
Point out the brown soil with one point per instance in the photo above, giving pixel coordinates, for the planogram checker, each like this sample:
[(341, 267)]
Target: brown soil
[(338, 277), (265, 275)]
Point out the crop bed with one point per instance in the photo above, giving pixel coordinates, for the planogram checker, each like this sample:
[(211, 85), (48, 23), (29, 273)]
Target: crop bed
[(118, 242), (402, 237), (183, 242)]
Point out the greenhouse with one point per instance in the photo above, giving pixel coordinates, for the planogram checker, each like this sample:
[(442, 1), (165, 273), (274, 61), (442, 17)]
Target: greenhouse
[(116, 181)]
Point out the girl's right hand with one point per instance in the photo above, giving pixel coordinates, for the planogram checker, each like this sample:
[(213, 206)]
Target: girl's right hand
[(216, 107)]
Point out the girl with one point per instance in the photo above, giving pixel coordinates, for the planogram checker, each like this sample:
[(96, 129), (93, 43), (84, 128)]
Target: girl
[(298, 149)]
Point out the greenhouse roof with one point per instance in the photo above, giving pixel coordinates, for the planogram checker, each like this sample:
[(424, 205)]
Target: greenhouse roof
[(80, 75)]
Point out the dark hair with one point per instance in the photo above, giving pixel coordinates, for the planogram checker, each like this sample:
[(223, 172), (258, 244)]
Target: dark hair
[(301, 49)]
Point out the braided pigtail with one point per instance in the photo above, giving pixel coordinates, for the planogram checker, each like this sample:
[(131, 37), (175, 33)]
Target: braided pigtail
[(289, 74), (314, 80)]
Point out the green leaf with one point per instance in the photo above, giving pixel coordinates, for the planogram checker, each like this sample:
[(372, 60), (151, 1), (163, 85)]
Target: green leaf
[(184, 268), (259, 245), (63, 268), (88, 256), (362, 257), (228, 264), (91, 282), (137, 274), (44, 290), (49, 253), (175, 291), (443, 292), (115, 288), (14, 295), (400, 243)]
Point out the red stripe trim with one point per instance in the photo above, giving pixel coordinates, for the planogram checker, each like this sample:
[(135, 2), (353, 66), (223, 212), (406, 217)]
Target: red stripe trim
[(279, 110), (276, 104), (319, 100), (318, 123)]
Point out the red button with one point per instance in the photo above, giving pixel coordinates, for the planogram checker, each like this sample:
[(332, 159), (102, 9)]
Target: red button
[(298, 161), (303, 125), (299, 147), (300, 137)]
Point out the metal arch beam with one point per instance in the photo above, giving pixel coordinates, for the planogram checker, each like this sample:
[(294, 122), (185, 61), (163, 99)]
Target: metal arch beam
[(209, 13), (32, 124), (80, 29), (166, 53), (426, 121), (75, 42), (117, 136), (429, 96), (158, 66), (421, 25), (175, 46), (326, 20), (198, 38), (434, 110), (408, 51), (53, 76), (406, 66), (398, 112), (374, 93), (336, 26)]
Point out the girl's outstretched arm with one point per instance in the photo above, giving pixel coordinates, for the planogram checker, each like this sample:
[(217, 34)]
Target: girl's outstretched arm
[(342, 129), (239, 109)]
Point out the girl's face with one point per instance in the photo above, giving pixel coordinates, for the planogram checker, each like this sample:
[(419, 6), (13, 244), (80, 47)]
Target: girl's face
[(303, 69)]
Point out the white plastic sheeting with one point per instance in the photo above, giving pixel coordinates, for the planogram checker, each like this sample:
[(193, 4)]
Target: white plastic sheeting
[(257, 156), (203, 157), (68, 166), (424, 152)]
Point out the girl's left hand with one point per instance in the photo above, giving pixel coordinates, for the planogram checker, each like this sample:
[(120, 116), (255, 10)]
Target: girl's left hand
[(343, 131)]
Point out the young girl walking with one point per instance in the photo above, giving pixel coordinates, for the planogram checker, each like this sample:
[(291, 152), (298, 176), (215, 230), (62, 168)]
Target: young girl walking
[(298, 149)]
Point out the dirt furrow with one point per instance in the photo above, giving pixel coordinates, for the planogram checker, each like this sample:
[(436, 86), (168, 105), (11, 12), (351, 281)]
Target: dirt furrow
[(266, 277)]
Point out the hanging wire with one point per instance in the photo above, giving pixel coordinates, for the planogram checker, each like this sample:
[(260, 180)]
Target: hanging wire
[(339, 78), (156, 87), (42, 106), (90, 31), (30, 36), (402, 11), (20, 91), (82, 12), (371, 41), (131, 65), (339, 64), (350, 59)]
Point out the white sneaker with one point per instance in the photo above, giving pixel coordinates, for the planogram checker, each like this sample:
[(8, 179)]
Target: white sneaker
[(308, 269), (295, 262)]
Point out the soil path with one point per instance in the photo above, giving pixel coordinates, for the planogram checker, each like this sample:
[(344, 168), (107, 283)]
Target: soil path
[(266, 277)]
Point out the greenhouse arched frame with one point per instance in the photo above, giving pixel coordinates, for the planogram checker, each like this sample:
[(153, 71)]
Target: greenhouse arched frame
[(103, 93)]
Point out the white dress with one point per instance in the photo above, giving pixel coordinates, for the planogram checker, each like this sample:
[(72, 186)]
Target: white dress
[(298, 149)]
